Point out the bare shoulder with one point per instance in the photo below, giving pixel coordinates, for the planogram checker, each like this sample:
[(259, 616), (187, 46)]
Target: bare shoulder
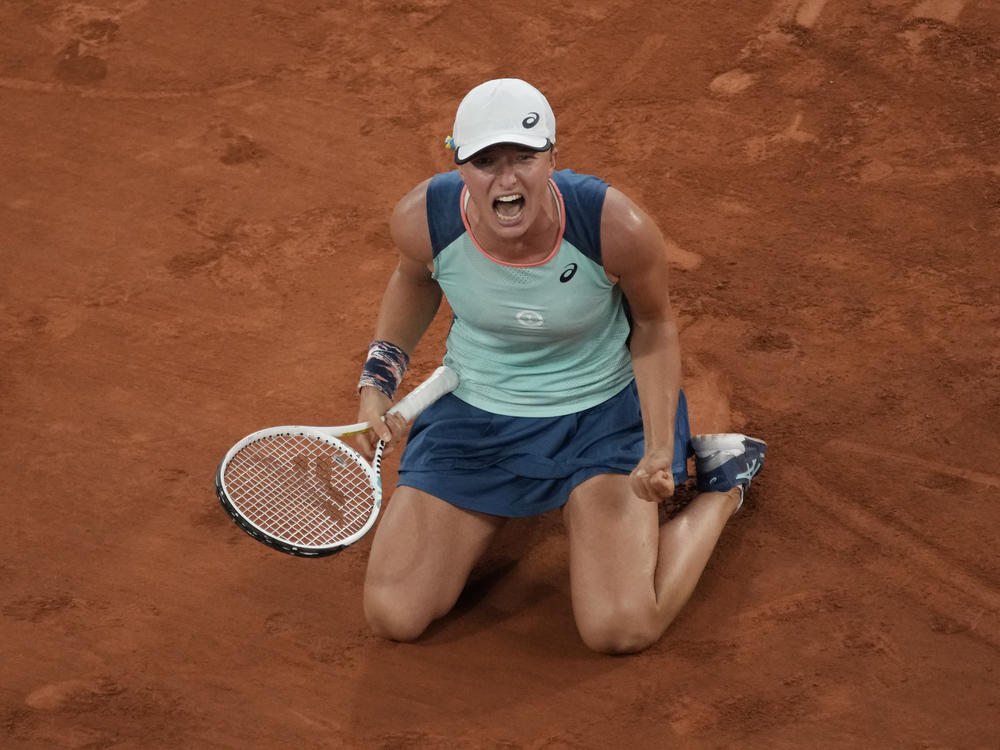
[(408, 225), (630, 239)]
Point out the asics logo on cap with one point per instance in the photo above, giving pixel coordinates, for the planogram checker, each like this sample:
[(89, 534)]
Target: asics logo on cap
[(531, 120)]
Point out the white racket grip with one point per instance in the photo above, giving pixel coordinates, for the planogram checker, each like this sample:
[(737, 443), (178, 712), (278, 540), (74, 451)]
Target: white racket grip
[(443, 380)]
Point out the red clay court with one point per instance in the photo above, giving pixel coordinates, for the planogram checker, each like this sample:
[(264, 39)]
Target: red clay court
[(194, 202)]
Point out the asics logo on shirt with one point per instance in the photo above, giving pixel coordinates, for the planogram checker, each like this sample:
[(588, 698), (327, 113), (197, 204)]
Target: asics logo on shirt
[(568, 273)]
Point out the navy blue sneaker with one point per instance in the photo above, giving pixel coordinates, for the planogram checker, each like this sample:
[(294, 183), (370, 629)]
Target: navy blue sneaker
[(727, 460)]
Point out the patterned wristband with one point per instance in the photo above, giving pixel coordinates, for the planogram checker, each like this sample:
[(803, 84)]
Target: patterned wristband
[(384, 367)]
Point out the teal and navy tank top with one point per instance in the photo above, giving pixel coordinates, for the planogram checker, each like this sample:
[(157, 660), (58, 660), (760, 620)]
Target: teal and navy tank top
[(537, 340)]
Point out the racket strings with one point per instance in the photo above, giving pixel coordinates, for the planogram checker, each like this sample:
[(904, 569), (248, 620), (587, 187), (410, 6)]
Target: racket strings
[(300, 489)]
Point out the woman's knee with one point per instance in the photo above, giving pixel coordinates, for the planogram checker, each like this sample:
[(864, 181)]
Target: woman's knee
[(390, 615), (624, 630)]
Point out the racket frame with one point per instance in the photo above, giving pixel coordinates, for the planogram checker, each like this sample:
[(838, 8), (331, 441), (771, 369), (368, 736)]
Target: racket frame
[(372, 471)]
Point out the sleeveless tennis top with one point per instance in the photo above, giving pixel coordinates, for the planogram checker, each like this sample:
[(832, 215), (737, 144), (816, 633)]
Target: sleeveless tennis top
[(538, 340)]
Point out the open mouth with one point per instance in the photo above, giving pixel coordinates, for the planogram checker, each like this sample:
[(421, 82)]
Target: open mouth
[(509, 208)]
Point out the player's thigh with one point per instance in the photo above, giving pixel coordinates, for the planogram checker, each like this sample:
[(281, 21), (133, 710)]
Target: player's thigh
[(614, 541), (422, 554)]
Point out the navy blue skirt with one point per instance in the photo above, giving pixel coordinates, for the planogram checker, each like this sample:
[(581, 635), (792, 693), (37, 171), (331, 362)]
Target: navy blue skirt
[(524, 466)]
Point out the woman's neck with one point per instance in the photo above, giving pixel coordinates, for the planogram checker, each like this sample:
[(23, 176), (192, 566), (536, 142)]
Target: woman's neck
[(536, 243)]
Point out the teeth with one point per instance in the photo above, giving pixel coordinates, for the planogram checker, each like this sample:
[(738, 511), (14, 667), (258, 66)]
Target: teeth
[(509, 198)]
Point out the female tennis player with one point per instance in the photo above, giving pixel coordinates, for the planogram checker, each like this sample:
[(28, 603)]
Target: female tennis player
[(569, 390)]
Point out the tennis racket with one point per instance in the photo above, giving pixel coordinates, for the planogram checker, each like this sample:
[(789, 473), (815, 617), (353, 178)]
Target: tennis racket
[(303, 491)]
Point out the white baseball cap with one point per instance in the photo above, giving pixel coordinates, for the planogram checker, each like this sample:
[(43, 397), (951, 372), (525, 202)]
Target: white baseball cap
[(505, 110)]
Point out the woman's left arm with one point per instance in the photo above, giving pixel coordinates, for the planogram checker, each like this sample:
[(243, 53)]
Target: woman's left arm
[(635, 254)]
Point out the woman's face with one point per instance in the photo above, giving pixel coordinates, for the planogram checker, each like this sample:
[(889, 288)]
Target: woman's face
[(509, 185)]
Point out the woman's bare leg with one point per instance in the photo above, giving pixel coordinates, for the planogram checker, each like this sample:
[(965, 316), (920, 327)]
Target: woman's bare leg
[(630, 576), (423, 552)]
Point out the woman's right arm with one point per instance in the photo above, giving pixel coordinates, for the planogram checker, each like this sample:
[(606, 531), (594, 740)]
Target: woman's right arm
[(409, 304)]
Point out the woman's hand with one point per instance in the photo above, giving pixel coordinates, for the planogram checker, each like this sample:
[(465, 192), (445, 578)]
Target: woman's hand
[(388, 427), (653, 478)]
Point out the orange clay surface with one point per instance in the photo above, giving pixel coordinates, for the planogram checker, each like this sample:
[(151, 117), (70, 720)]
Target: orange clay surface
[(193, 232)]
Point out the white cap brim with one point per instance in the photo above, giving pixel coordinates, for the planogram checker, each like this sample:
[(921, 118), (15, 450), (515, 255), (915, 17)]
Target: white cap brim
[(536, 143)]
